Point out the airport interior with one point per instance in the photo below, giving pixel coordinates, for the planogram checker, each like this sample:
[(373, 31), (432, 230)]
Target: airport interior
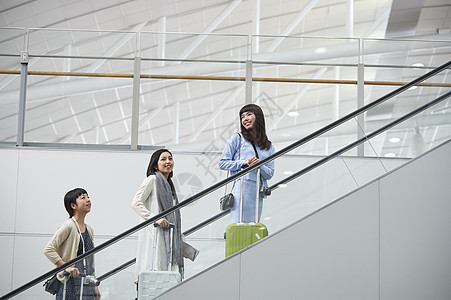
[(356, 104)]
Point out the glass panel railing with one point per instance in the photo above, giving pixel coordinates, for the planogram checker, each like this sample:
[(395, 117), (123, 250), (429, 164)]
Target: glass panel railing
[(74, 116), (407, 140), (419, 134), (395, 62), (80, 85), (11, 43), (121, 284), (411, 57), (179, 81), (303, 84), (336, 176), (79, 92), (315, 183), (9, 106)]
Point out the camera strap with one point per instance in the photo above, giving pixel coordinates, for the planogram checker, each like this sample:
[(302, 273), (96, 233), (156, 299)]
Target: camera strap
[(82, 242), (255, 149), (256, 155), (239, 154), (83, 249)]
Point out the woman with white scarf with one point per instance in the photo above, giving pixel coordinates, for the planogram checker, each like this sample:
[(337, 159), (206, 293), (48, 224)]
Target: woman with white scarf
[(155, 195)]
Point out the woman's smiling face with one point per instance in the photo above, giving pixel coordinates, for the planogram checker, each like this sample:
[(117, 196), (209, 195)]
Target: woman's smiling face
[(165, 164), (248, 120)]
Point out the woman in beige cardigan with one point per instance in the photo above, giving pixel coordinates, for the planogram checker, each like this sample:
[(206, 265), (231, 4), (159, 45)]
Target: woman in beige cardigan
[(70, 240)]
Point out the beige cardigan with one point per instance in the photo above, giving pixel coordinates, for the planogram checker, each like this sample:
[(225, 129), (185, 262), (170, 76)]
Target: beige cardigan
[(64, 244)]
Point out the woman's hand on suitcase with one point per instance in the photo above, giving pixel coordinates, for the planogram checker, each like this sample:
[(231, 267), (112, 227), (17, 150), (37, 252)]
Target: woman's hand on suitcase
[(73, 272), (163, 223)]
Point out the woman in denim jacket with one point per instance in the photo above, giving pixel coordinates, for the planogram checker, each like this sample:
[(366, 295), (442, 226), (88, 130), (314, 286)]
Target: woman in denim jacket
[(243, 150)]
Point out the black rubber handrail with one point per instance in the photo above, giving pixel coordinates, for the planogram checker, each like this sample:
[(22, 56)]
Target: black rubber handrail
[(230, 179)]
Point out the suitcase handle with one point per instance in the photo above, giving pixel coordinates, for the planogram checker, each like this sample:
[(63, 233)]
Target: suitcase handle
[(256, 198), (66, 278), (171, 237)]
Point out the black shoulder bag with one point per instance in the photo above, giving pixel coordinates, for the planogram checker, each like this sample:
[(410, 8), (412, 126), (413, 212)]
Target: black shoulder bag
[(226, 201), (264, 192), (52, 285)]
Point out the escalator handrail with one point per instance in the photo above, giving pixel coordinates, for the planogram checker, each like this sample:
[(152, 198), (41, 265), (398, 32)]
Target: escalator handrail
[(230, 179)]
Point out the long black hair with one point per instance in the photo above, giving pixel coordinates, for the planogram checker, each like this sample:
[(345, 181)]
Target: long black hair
[(256, 134), (153, 166)]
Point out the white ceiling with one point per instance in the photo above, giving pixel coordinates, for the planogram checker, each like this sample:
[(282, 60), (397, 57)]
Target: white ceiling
[(201, 114)]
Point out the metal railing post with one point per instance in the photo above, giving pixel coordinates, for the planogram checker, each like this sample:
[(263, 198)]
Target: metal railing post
[(22, 97), (360, 100), (135, 100), (248, 99)]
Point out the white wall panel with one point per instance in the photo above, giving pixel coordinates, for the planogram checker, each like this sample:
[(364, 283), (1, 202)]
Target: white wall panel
[(29, 262), (6, 261), (416, 229), (111, 179), (220, 283), (8, 179)]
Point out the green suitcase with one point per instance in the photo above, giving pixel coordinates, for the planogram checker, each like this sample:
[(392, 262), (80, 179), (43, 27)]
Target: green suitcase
[(241, 235)]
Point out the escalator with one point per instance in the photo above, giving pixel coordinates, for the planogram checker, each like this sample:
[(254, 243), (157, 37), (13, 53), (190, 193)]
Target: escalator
[(308, 183)]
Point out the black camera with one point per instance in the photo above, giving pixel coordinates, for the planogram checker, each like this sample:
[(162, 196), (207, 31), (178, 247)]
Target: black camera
[(265, 192)]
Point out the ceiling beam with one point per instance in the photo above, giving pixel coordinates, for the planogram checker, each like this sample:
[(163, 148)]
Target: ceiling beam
[(350, 19), (277, 41), (404, 18), (201, 37), (256, 26), (382, 19)]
